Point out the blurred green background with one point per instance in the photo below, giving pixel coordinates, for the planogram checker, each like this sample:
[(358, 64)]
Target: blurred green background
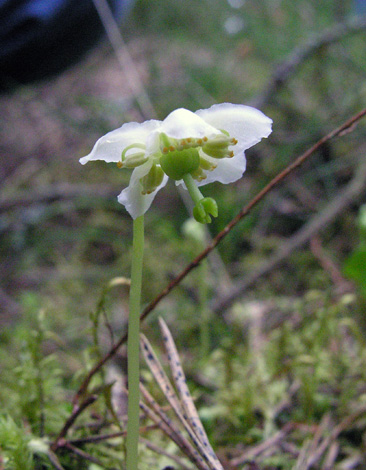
[(63, 236)]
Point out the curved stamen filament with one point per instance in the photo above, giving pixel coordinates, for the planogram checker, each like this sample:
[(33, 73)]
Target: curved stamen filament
[(132, 146)]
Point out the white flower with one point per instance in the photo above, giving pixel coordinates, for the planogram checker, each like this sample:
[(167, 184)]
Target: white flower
[(207, 145)]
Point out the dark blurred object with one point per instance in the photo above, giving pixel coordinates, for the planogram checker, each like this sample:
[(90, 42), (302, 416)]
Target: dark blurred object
[(360, 7), (40, 38)]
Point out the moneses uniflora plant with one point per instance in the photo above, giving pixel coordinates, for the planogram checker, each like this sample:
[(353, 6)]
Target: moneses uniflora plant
[(193, 149)]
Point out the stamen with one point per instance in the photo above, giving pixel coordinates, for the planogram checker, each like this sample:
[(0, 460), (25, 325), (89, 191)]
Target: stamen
[(171, 148), (119, 164), (206, 165), (165, 150), (132, 146), (152, 180)]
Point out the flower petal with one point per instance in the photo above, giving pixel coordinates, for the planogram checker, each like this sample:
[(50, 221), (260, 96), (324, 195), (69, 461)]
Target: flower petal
[(227, 171), (109, 147), (248, 125), (181, 124), (131, 197)]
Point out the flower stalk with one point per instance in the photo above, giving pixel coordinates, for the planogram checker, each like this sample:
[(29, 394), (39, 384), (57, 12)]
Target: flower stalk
[(133, 356)]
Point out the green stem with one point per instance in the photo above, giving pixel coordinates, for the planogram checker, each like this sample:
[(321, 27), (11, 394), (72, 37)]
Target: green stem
[(133, 350), (193, 190)]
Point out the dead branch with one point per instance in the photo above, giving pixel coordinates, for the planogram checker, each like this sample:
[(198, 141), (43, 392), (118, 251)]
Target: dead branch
[(349, 195), (289, 66)]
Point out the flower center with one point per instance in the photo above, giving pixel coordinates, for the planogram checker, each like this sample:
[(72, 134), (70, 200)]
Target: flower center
[(178, 163), (178, 158)]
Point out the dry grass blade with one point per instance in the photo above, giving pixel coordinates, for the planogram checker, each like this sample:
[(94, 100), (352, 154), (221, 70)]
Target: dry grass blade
[(169, 392), (157, 415), (323, 439), (181, 384)]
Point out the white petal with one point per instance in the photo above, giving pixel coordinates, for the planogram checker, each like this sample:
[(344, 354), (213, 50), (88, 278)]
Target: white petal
[(181, 124), (109, 147), (246, 124), (135, 202), (227, 171)]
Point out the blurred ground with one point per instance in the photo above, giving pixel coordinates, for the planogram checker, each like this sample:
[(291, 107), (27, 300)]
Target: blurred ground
[(47, 127), (287, 355)]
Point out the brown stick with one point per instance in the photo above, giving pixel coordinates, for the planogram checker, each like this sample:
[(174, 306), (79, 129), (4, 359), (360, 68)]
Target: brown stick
[(60, 440), (348, 195), (286, 69)]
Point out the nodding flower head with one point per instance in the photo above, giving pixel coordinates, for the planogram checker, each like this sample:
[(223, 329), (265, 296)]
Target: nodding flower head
[(204, 146)]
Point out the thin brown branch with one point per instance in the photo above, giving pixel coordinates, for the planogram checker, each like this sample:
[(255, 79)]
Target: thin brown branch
[(331, 456), (83, 454), (255, 451), (245, 211), (129, 71), (60, 440), (346, 197), (275, 182), (329, 265), (54, 461), (105, 437), (288, 67)]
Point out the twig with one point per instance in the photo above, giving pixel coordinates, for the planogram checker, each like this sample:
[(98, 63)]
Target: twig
[(353, 190), (60, 441), (97, 438), (287, 68), (245, 211), (329, 265), (83, 454), (124, 59), (254, 452), (54, 460), (275, 181), (331, 456), (105, 437)]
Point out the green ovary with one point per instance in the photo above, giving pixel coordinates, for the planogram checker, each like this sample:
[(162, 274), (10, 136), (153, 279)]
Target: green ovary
[(178, 163)]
